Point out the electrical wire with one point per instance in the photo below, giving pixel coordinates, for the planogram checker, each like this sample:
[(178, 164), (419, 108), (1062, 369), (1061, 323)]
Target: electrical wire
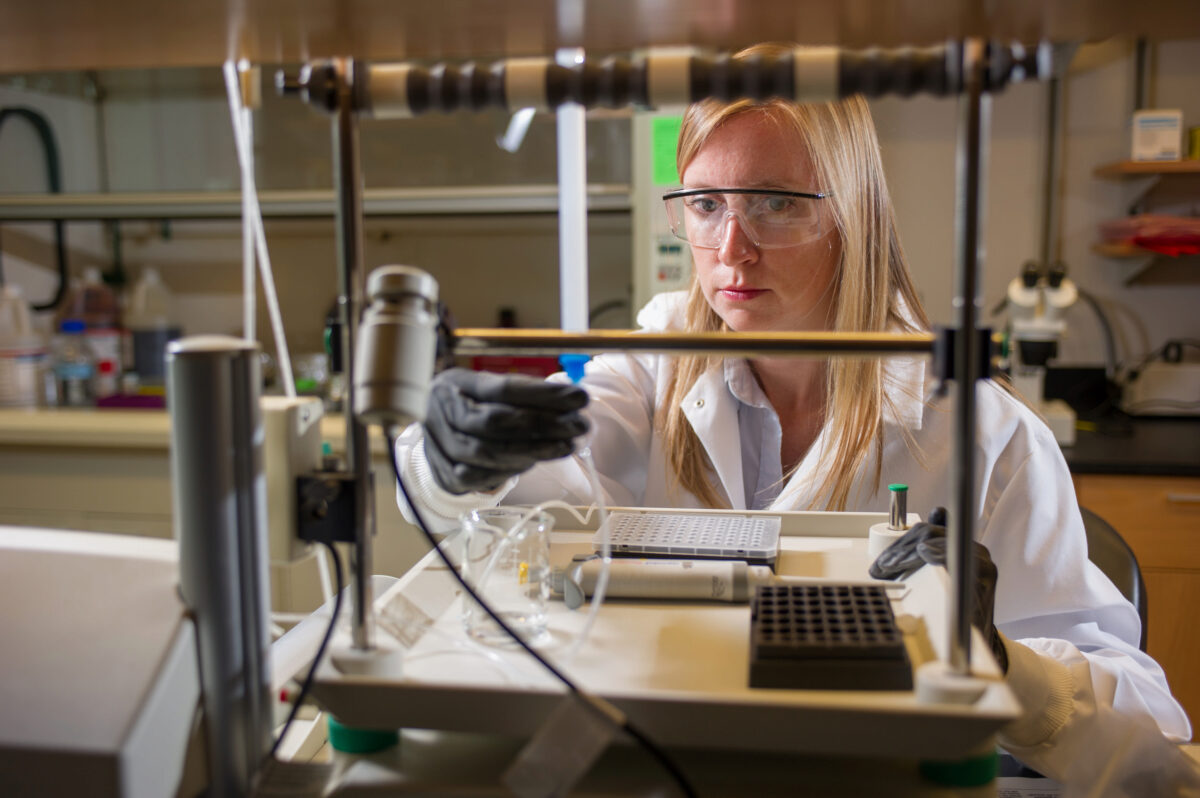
[(599, 704), (312, 670), (54, 180), (1174, 344), (1110, 343)]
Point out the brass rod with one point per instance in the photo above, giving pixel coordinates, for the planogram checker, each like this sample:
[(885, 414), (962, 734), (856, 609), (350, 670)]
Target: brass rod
[(504, 341)]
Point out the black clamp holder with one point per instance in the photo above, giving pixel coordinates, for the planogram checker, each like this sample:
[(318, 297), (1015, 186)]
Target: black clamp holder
[(325, 506), (945, 343)]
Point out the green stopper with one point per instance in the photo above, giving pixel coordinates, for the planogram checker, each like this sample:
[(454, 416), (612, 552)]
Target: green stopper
[(898, 486), (351, 740), (973, 771)]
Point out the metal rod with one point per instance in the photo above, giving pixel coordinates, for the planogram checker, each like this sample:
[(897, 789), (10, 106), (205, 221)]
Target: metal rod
[(1141, 56), (967, 300), (318, 203), (479, 341), (348, 176), (1051, 250)]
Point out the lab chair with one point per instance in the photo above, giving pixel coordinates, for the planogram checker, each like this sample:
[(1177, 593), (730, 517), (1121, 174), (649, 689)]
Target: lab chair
[(1112, 555)]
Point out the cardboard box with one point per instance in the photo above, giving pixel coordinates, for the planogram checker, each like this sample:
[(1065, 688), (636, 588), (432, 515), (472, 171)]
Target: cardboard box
[(1157, 135)]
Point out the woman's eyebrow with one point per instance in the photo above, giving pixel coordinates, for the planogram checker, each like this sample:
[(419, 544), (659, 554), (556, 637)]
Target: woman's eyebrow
[(763, 186)]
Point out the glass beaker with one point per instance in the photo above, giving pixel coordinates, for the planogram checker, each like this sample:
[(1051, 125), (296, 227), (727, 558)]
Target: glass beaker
[(506, 559)]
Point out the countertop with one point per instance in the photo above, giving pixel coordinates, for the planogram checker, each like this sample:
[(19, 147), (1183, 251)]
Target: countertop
[(121, 429), (1151, 446), (1146, 446)]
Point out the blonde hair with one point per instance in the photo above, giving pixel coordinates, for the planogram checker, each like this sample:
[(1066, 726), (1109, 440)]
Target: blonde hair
[(873, 290)]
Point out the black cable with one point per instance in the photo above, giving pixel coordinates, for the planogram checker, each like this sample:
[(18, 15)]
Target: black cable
[(54, 178), (1174, 343), (312, 670), (638, 736), (1110, 342)]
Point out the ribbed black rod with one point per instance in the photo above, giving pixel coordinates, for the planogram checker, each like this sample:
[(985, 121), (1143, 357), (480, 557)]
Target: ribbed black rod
[(619, 81)]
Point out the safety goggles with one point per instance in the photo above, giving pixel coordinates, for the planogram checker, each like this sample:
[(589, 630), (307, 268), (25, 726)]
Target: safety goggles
[(771, 219)]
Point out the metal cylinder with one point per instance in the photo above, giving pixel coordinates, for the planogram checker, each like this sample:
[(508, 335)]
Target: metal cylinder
[(397, 346), (220, 522)]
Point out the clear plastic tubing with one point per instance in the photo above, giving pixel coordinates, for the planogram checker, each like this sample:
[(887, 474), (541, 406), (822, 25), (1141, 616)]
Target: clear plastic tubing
[(245, 152), (597, 595), (572, 208)]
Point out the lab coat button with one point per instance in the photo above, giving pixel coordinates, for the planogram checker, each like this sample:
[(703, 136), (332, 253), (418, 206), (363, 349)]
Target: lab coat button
[(699, 403)]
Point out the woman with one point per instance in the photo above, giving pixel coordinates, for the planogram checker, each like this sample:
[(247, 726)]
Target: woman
[(788, 216)]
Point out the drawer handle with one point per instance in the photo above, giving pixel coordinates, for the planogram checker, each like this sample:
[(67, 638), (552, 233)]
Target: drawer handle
[(1184, 498)]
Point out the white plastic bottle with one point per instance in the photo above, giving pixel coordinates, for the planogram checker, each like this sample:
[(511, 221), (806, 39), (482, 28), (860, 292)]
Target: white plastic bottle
[(92, 302), (149, 321), (22, 353), (74, 365)]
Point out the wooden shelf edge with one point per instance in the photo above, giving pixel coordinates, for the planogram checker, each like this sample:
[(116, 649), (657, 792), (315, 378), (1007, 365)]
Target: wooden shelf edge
[(1127, 169), (1121, 251)]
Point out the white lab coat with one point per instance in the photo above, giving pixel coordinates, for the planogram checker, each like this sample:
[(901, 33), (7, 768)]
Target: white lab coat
[(1076, 665)]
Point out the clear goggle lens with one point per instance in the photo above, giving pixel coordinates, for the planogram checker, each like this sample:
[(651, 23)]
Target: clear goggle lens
[(771, 219)]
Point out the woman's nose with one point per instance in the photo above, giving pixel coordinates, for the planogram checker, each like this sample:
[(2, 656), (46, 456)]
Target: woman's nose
[(737, 246)]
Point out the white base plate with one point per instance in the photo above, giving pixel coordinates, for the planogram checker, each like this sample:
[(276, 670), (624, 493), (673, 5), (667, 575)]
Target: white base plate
[(680, 671)]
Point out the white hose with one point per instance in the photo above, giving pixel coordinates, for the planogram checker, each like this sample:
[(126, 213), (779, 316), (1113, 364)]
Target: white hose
[(245, 152), (323, 575)]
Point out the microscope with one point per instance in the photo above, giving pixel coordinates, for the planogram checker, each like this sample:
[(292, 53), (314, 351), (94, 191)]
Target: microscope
[(1036, 301)]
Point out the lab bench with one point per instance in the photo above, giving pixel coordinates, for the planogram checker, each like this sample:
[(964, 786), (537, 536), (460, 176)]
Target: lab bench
[(1144, 478), (110, 471)]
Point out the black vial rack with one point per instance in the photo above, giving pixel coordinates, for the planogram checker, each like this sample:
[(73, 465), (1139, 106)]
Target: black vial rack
[(826, 637)]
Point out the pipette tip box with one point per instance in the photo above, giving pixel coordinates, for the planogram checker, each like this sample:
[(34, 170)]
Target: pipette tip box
[(826, 637), (754, 539)]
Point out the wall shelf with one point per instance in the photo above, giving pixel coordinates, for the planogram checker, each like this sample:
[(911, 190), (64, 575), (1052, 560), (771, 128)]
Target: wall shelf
[(1146, 267), (1123, 170), (301, 204)]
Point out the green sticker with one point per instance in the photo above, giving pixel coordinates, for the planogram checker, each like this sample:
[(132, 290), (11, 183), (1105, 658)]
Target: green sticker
[(664, 135)]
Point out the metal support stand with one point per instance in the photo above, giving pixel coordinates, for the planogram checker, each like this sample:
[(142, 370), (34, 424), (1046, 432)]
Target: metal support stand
[(967, 358), (348, 178), (346, 89)]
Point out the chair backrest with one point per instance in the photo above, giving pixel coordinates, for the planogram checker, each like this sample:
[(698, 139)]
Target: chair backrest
[(1112, 555)]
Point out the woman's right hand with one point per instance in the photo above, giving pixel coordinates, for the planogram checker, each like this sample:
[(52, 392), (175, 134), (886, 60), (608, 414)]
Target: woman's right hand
[(482, 428)]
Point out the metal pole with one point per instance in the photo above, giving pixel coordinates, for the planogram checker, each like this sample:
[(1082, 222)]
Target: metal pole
[(220, 523), (348, 177), (1051, 250), (967, 365)]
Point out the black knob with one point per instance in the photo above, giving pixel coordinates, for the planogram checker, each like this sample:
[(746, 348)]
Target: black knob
[(1031, 272), (1056, 274)]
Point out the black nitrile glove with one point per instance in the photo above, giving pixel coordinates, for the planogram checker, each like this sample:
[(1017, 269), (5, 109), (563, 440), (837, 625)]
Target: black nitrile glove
[(926, 543), (482, 428)]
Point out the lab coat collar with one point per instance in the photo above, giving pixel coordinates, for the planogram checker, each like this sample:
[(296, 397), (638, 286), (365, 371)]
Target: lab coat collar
[(711, 407), (713, 413), (904, 382), (904, 385)]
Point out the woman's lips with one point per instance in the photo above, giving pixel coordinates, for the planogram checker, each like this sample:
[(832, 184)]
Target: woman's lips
[(741, 294)]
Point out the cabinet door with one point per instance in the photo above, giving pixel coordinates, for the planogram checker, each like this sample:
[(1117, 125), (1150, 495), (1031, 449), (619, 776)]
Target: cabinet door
[(1173, 640), (1160, 519)]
